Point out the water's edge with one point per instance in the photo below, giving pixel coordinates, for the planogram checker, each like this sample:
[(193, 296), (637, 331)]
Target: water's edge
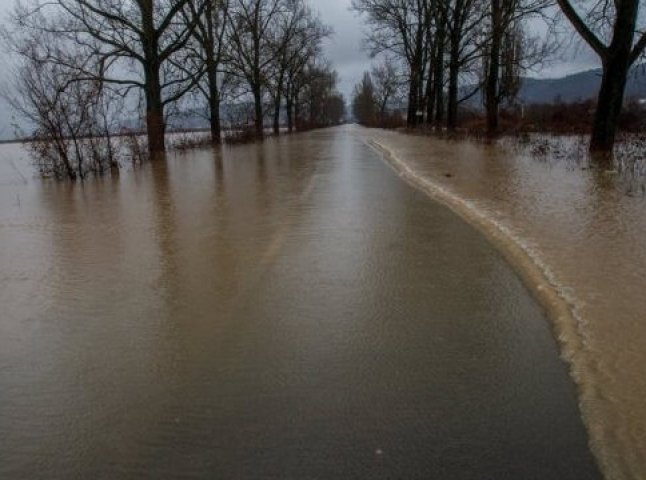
[(533, 272)]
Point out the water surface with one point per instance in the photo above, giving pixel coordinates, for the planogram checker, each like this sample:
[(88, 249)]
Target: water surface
[(586, 230), (287, 310)]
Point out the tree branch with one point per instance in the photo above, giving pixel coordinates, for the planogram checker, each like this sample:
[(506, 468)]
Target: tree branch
[(588, 35)]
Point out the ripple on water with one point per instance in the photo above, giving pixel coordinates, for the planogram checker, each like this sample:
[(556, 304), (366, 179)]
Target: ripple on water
[(584, 231)]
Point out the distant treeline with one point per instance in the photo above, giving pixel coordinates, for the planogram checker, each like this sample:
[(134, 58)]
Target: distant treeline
[(439, 54), (84, 66)]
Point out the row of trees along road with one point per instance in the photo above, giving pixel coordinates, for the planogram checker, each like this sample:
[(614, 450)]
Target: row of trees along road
[(450, 50), (163, 52)]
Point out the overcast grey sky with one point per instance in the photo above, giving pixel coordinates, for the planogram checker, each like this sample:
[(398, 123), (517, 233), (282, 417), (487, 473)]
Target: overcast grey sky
[(344, 50)]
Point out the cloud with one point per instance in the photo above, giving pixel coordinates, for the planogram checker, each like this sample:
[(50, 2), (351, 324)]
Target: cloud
[(344, 49)]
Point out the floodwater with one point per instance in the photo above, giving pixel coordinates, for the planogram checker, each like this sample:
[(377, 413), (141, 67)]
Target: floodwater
[(288, 310), (585, 229)]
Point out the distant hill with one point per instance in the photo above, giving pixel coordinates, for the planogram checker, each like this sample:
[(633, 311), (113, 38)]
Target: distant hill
[(572, 88), (577, 87)]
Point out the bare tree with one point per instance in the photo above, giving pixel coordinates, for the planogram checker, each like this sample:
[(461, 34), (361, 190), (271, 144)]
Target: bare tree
[(71, 116), (509, 50), (364, 101), (296, 78), (465, 41), (322, 103), (206, 55), (444, 43), (297, 81), (436, 42), (610, 29), (387, 86), (400, 27), (299, 34), (376, 100), (251, 28), (128, 43)]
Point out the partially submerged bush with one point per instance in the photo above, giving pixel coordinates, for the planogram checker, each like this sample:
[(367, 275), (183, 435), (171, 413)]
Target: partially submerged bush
[(626, 171), (567, 118), (241, 135), (390, 121), (190, 140), (135, 146), (73, 158), (72, 113)]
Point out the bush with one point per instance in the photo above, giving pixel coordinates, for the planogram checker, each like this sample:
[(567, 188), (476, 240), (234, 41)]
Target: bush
[(236, 136)]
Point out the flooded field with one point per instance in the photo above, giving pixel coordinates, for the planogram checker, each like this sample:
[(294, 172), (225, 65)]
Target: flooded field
[(294, 310), (585, 230)]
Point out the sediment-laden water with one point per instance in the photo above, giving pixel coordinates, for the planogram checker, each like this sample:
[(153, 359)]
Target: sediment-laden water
[(285, 310), (585, 230)]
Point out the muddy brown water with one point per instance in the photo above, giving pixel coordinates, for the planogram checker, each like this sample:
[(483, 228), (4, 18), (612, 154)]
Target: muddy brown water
[(288, 310), (585, 229)]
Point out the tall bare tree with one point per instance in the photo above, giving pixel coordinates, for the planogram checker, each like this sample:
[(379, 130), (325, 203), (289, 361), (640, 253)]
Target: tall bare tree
[(400, 27), (610, 29), (445, 43), (465, 41), (436, 43), (297, 76), (508, 49), (322, 104), (129, 43), (251, 32), (71, 116), (299, 34), (364, 101), (387, 86), (207, 55)]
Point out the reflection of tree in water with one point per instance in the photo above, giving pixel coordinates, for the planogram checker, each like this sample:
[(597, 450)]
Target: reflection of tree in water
[(165, 229)]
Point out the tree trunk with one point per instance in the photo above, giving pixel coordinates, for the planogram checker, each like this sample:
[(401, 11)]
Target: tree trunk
[(298, 121), (214, 118), (611, 97), (155, 125), (277, 102), (493, 72), (430, 90), (411, 119), (259, 114), (59, 141), (290, 111), (454, 71), (278, 98), (214, 101), (212, 76), (616, 64), (438, 74)]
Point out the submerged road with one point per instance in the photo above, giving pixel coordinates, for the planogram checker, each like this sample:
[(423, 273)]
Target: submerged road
[(290, 310)]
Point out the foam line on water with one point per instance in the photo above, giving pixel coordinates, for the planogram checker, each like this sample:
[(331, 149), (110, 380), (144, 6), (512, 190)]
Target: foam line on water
[(560, 304)]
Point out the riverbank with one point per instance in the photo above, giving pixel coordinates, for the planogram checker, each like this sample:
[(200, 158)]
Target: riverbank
[(575, 235)]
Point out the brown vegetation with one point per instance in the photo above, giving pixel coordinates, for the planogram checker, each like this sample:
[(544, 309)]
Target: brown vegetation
[(575, 118)]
